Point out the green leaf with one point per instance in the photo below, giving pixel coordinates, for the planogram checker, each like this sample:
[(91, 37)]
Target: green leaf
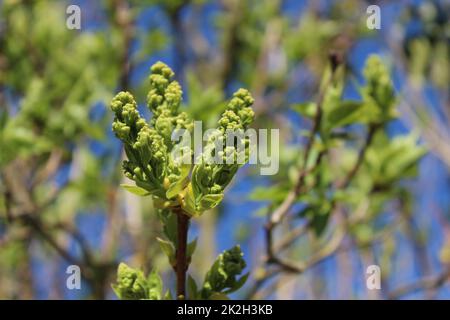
[(168, 295), (261, 212), (135, 190), (210, 201), (306, 212), (117, 291), (389, 161), (223, 274), (175, 189), (155, 286), (168, 249), (189, 201), (307, 109), (275, 193), (363, 233), (170, 227), (191, 247), (184, 171), (319, 222), (347, 112), (192, 288), (239, 283)]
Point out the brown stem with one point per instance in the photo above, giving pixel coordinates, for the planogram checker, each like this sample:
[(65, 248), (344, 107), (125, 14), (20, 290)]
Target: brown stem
[(181, 252), (428, 283), (361, 156)]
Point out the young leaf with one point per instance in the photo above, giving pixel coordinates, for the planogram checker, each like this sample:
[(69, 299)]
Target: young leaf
[(191, 288), (210, 201), (307, 109), (135, 190), (276, 193), (191, 247), (189, 201), (347, 112), (223, 274), (168, 249), (169, 221), (155, 286), (175, 189), (239, 283), (168, 295), (319, 222)]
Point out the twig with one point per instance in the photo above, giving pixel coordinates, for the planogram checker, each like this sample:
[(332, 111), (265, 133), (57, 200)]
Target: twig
[(277, 216), (181, 252), (414, 104), (362, 152), (291, 237), (37, 226), (323, 254), (78, 237), (27, 211), (51, 166), (422, 284)]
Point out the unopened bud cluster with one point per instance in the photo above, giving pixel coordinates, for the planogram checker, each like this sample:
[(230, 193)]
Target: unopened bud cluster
[(148, 145)]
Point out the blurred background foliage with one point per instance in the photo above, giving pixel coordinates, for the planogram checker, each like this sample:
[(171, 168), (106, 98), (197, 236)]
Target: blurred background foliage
[(363, 185)]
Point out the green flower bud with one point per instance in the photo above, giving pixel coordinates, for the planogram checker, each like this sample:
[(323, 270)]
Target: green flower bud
[(210, 177), (379, 88), (233, 262), (164, 127), (131, 284), (215, 189), (127, 121), (148, 145), (224, 272), (173, 95), (162, 69), (163, 100)]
